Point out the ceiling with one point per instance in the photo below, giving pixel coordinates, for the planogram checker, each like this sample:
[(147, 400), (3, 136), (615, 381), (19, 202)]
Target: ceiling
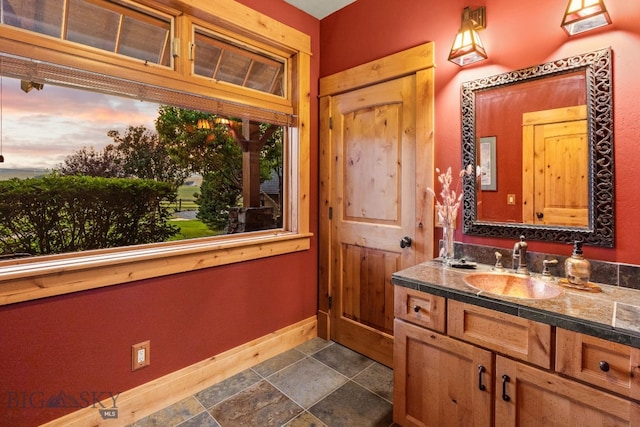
[(319, 8)]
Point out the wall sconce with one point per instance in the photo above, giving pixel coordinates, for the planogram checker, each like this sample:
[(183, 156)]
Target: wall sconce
[(467, 47), (585, 15)]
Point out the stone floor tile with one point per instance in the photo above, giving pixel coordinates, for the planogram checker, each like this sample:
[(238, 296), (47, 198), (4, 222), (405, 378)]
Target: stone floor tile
[(172, 415), (260, 405), (353, 406), (343, 360), (203, 419), (227, 388), (378, 379), (307, 381), (313, 345), (278, 362), (305, 420)]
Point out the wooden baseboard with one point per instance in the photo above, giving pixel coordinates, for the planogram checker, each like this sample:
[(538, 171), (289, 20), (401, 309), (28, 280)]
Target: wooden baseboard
[(137, 403), (324, 330)]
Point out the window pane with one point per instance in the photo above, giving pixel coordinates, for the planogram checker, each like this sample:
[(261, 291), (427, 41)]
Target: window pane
[(227, 62), (233, 68), (144, 41), (263, 77), (90, 134), (40, 16), (92, 25), (206, 57)]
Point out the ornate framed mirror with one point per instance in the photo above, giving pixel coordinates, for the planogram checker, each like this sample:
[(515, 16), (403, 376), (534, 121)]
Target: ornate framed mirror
[(542, 142)]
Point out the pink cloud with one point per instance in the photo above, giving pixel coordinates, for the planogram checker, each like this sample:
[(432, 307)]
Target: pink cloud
[(43, 127)]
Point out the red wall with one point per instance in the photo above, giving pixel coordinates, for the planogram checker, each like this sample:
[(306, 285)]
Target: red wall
[(80, 344), (516, 37)]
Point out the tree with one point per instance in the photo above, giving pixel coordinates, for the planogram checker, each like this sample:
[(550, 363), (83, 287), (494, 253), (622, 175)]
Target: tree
[(145, 157), (209, 152), (89, 162), (271, 160)]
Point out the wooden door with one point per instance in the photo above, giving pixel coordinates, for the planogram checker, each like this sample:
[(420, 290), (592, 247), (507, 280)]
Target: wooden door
[(533, 397), (556, 167), (374, 142), (440, 381), (376, 162)]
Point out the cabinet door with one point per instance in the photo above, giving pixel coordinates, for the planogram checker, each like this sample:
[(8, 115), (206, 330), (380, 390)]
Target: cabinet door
[(439, 381), (527, 396)]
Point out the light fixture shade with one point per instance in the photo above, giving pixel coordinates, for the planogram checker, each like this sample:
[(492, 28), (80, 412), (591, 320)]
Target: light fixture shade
[(467, 47), (585, 15), (203, 124)]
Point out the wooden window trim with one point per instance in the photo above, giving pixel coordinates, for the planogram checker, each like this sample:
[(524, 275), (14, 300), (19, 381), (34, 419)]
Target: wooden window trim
[(30, 279), (58, 276)]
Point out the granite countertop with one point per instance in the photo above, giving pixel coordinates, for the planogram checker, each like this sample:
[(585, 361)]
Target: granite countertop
[(613, 314)]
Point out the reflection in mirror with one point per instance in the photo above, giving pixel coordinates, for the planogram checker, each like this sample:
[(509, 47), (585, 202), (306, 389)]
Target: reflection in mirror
[(542, 139)]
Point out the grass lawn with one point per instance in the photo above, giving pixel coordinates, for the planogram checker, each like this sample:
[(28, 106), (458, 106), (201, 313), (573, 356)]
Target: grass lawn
[(191, 229), (186, 199)]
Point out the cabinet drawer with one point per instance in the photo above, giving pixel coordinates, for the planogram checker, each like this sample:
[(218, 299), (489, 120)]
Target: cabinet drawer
[(503, 333), (603, 363), (420, 308)]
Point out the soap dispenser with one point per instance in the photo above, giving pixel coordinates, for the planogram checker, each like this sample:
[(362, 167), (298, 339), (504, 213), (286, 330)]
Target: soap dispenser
[(577, 269)]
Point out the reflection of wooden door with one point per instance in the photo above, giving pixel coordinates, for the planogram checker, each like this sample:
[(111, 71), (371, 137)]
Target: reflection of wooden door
[(378, 135), (556, 167)]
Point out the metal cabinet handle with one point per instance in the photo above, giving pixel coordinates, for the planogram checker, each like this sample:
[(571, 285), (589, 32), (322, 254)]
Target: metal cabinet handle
[(481, 370), (416, 308), (405, 242), (604, 366), (505, 380)]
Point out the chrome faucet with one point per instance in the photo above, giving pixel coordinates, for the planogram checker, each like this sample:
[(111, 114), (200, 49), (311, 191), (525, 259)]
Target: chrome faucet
[(520, 257)]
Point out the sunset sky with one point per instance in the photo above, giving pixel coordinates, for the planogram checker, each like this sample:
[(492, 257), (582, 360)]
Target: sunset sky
[(41, 128)]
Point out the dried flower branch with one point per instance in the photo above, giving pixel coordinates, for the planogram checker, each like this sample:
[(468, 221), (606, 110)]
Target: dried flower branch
[(447, 206)]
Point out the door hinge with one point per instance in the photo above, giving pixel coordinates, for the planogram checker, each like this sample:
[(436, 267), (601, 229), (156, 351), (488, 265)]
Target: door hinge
[(330, 212), (330, 298), (330, 122)]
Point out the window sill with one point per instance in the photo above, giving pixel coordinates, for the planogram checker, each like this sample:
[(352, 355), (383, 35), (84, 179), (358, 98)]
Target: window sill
[(28, 280)]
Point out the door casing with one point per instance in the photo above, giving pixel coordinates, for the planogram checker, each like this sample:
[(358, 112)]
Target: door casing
[(418, 61)]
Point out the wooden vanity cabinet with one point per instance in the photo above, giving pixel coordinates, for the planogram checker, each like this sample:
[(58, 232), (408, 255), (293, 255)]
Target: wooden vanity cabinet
[(438, 381), (522, 339), (604, 364), (489, 368), (529, 396)]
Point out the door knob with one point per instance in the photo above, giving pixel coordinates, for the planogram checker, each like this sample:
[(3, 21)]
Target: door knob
[(540, 215), (405, 242)]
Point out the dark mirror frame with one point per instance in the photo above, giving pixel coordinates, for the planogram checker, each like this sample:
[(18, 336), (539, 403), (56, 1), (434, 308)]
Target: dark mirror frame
[(599, 86)]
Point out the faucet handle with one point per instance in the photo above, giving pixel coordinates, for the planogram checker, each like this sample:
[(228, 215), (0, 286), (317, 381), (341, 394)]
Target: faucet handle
[(498, 265), (546, 263)]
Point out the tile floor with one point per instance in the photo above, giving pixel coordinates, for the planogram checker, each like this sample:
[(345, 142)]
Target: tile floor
[(319, 383)]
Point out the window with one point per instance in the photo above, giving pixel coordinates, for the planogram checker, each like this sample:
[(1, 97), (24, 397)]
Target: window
[(71, 64), (225, 61), (131, 31), (78, 132)]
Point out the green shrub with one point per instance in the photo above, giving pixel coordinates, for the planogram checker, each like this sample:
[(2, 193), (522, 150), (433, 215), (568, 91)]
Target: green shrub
[(57, 214)]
